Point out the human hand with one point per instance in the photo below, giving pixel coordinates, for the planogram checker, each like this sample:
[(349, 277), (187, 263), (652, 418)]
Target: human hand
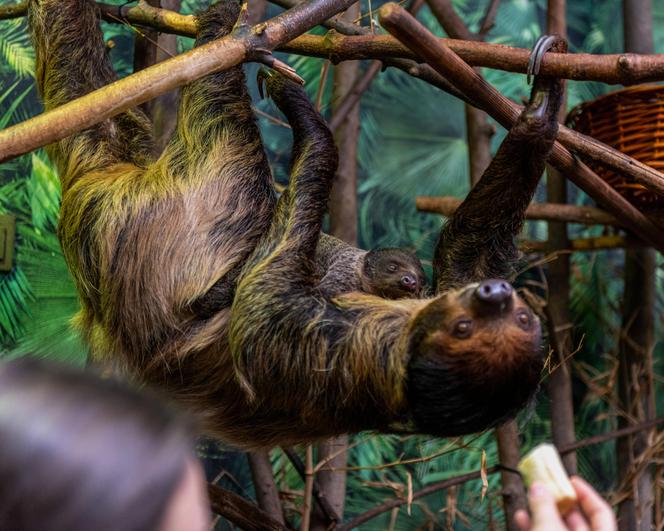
[(593, 513)]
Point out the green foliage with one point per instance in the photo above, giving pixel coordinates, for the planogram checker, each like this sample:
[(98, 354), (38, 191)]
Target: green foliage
[(16, 53), (412, 143)]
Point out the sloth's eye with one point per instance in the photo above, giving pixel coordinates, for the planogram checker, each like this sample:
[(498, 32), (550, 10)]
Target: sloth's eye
[(523, 319), (392, 267), (463, 329)]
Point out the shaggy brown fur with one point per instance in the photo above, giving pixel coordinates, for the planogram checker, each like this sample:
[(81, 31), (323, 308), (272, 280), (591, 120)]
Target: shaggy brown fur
[(360, 362), (157, 249)]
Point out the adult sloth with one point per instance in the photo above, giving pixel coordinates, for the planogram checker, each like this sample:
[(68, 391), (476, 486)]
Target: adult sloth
[(157, 249)]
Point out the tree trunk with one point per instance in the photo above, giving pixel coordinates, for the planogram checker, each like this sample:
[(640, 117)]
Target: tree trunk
[(267, 495), (513, 491), (478, 136), (145, 51), (343, 200), (635, 385), (164, 107), (343, 225), (560, 330)]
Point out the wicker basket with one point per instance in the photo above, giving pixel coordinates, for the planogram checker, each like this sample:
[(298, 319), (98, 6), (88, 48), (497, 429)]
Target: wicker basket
[(632, 121)]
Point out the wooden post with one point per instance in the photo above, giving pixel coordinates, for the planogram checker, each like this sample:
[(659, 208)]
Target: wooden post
[(343, 225), (478, 135), (635, 382), (560, 329)]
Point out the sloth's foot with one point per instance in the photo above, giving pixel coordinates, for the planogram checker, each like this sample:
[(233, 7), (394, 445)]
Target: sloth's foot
[(546, 95), (275, 84)]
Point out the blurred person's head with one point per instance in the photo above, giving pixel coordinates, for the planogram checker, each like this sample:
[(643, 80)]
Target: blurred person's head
[(81, 453)]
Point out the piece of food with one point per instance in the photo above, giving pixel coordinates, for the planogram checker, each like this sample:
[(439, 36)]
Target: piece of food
[(543, 464)]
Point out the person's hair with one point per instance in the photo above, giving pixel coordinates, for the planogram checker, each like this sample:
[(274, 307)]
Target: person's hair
[(82, 453)]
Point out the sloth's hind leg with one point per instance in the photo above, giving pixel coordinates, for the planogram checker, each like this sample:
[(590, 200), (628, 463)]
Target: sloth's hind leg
[(71, 61)]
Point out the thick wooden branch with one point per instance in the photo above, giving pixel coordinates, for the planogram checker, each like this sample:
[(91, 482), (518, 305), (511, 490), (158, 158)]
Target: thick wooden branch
[(592, 244), (398, 22), (227, 52), (585, 215), (140, 87), (241, 512), (356, 42), (586, 146)]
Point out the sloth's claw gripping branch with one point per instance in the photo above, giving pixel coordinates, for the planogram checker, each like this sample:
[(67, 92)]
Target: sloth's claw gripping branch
[(540, 105), (546, 43), (265, 57)]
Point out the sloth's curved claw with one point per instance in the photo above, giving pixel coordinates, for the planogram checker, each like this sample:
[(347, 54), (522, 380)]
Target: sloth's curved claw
[(546, 94), (544, 44), (263, 56), (262, 77)]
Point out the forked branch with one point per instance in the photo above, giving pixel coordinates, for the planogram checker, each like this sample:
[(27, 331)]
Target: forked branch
[(144, 85), (407, 29), (356, 42)]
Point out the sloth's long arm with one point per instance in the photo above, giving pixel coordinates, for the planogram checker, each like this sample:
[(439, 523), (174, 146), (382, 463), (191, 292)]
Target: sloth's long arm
[(72, 60), (297, 223), (478, 241)]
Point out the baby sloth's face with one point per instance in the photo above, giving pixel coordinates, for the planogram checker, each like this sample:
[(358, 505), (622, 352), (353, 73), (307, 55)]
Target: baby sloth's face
[(394, 273), (476, 359)]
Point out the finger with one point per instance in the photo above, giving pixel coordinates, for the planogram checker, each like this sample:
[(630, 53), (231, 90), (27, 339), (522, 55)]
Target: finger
[(522, 520), (543, 507), (576, 522), (598, 512)]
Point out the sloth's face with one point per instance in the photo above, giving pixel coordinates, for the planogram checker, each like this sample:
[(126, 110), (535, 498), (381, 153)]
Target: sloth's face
[(394, 273), (475, 359)]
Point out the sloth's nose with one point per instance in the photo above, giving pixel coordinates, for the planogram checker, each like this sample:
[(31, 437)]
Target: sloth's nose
[(409, 282), (494, 295)]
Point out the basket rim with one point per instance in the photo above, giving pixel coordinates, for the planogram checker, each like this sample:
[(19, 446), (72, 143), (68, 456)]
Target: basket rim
[(636, 89)]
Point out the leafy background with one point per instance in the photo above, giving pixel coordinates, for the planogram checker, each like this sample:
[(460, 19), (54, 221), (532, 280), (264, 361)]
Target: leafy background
[(412, 143)]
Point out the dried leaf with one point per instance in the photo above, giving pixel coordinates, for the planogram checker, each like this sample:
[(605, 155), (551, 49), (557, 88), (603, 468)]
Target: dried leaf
[(483, 474), (410, 491)]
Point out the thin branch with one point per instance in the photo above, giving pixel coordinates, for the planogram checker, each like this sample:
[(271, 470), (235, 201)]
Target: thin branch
[(585, 215), (241, 512), (458, 480), (450, 20), (429, 489), (319, 496), (362, 83), (308, 489), (616, 434), (489, 19), (398, 22), (360, 86), (138, 88)]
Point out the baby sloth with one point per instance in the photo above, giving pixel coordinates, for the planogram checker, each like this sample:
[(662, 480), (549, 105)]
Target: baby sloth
[(392, 273), (388, 272)]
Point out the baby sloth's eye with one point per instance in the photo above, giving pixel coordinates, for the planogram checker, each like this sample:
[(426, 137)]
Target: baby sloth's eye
[(392, 267), (523, 318), (463, 329)]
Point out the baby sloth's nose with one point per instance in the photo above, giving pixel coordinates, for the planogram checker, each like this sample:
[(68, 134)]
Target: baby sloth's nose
[(494, 296), (409, 282)]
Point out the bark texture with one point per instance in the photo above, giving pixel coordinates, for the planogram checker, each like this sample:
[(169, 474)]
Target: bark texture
[(343, 225), (635, 370), (559, 322)]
